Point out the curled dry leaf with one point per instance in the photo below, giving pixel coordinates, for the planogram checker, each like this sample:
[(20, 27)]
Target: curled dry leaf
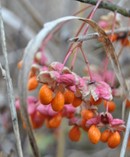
[(110, 53)]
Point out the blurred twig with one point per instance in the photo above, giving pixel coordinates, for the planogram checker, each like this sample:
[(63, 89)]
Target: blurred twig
[(126, 137), (61, 141), (10, 89), (96, 35), (109, 6), (33, 12)]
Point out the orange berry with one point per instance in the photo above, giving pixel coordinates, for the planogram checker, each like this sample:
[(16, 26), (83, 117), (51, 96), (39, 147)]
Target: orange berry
[(110, 105), (87, 114), (83, 125), (114, 140), (93, 102), (105, 135), (77, 101), (55, 121), (127, 103), (19, 65), (58, 102), (113, 37), (37, 120), (125, 42), (45, 95), (75, 134), (94, 134), (69, 97), (32, 83)]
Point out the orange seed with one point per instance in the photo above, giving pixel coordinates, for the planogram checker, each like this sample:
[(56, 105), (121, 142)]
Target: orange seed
[(125, 42), (94, 134), (87, 114), (105, 135), (32, 83), (114, 140), (127, 103), (45, 95), (55, 121), (58, 102), (113, 37), (75, 134), (69, 96), (77, 101), (37, 120)]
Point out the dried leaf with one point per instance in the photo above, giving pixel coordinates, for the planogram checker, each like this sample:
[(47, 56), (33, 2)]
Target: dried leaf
[(110, 53)]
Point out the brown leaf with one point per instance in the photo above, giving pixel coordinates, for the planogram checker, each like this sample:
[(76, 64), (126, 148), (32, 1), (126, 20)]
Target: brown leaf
[(110, 53)]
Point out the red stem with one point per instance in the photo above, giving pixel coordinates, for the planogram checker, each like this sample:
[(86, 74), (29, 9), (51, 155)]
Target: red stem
[(80, 29), (70, 52), (86, 61), (74, 59), (92, 14)]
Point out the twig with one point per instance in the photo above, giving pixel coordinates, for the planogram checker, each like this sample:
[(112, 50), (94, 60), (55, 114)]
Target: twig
[(61, 141), (109, 6), (35, 15), (10, 89), (124, 144), (96, 35), (13, 57), (3, 71), (84, 37)]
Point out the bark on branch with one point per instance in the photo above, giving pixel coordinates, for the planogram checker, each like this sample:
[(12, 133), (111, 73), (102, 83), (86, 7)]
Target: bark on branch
[(109, 6)]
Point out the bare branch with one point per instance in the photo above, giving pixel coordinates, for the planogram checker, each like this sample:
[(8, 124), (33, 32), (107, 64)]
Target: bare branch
[(125, 140), (96, 35), (109, 6), (10, 89)]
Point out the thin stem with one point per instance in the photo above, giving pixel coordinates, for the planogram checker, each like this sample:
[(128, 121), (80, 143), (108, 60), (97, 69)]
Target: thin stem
[(109, 6), (106, 61), (61, 141), (80, 11), (70, 47), (125, 140), (84, 37), (10, 89), (86, 61), (114, 22), (120, 52), (92, 14), (69, 53), (74, 59), (80, 29), (96, 35)]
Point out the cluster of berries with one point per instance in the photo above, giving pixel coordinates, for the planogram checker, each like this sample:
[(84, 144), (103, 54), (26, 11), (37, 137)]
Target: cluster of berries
[(64, 94)]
